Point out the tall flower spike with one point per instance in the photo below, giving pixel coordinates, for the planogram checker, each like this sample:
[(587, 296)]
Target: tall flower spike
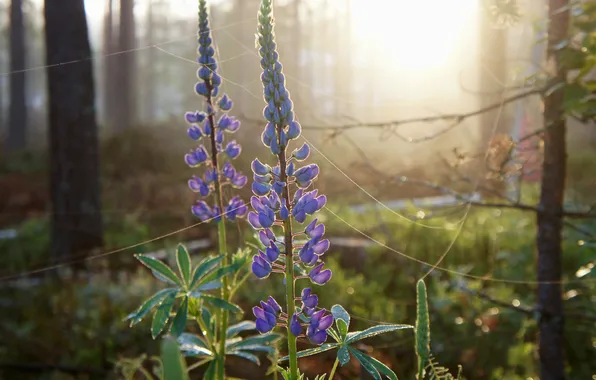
[(210, 128), (207, 132), (284, 198)]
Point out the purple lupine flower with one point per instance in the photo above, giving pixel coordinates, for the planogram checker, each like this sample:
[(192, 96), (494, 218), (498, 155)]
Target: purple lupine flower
[(284, 192), (295, 327), (306, 174), (309, 299), (203, 125), (266, 236), (259, 168), (196, 156), (225, 103), (195, 117), (318, 276), (317, 328), (233, 149), (236, 208), (265, 320), (261, 267), (302, 153), (194, 132), (196, 184)]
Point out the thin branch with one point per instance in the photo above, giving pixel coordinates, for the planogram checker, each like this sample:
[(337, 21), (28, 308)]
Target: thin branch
[(508, 204), (457, 118), (525, 310)]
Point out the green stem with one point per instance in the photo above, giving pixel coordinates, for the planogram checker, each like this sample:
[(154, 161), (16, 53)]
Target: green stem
[(333, 369), (222, 246), (223, 327), (290, 281)]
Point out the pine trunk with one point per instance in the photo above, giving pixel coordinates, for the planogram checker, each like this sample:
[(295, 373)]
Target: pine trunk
[(550, 220), (17, 125), (74, 156)]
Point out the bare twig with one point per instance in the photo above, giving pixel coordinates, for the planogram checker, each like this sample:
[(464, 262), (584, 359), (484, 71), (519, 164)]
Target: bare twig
[(530, 311), (457, 117)]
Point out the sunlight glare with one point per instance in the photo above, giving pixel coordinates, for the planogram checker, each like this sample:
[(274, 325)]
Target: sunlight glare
[(419, 34)]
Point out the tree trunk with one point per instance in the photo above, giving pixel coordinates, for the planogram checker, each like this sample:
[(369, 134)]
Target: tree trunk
[(126, 70), (150, 74), (17, 126), (109, 82), (74, 156), (550, 220)]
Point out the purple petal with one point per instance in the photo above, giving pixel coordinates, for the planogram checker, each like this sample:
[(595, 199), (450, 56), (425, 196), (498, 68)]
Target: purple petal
[(321, 247), (326, 322), (263, 327), (295, 327), (253, 219), (319, 337)]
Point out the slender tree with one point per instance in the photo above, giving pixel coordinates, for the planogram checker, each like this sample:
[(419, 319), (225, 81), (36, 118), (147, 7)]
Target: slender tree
[(74, 156), (126, 70), (109, 82), (550, 215), (150, 73), (17, 126)]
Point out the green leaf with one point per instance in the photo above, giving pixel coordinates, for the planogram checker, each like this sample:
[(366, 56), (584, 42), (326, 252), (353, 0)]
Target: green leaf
[(149, 304), (179, 322), (342, 327), (183, 261), (222, 304), (204, 267), (313, 351), (246, 355), (263, 343), (340, 313), (193, 345), (377, 365), (209, 286), (333, 334), (159, 269), (343, 355), (373, 331), (174, 366), (365, 363), (422, 334), (218, 274), (574, 94), (206, 317), (239, 327), (161, 316)]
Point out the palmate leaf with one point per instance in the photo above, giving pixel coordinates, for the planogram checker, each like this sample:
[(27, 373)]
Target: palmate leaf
[(162, 315), (160, 270), (204, 267), (138, 315), (373, 331), (174, 366), (183, 261), (372, 365)]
